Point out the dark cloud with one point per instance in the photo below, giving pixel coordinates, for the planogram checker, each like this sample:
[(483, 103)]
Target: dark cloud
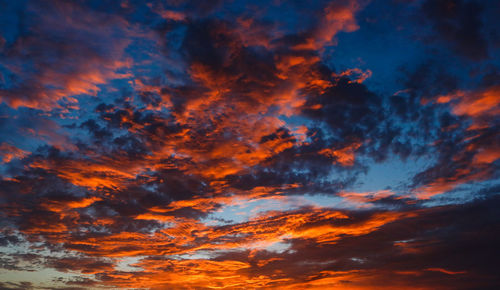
[(460, 23)]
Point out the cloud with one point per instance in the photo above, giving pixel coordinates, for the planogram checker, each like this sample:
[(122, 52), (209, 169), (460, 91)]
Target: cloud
[(10, 152), (60, 55), (237, 145), (459, 23)]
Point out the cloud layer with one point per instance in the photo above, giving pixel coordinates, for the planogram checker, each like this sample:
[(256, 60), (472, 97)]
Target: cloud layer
[(243, 144)]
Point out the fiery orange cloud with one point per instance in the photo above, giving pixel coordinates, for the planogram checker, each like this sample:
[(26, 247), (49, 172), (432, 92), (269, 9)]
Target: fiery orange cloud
[(227, 274), (228, 145), (250, 118), (344, 156), (478, 105), (294, 74), (183, 238), (444, 184), (59, 206), (89, 174), (192, 273)]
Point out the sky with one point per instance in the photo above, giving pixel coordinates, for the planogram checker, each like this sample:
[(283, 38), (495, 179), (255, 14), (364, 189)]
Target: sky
[(232, 144)]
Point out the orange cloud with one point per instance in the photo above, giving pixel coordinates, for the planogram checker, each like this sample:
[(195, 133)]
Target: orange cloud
[(89, 173), (480, 107), (363, 198), (60, 206)]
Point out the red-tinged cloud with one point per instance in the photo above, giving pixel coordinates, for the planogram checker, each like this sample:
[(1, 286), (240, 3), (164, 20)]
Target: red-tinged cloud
[(9, 152), (336, 17), (344, 156), (68, 205), (480, 106), (364, 199), (367, 250), (227, 121), (445, 184), (446, 271), (473, 160), (87, 57), (89, 174), (188, 236)]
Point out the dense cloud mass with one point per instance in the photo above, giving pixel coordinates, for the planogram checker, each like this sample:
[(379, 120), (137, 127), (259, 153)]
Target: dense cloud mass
[(347, 144)]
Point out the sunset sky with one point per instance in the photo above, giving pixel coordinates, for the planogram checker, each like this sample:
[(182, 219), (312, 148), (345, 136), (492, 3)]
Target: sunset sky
[(178, 144)]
